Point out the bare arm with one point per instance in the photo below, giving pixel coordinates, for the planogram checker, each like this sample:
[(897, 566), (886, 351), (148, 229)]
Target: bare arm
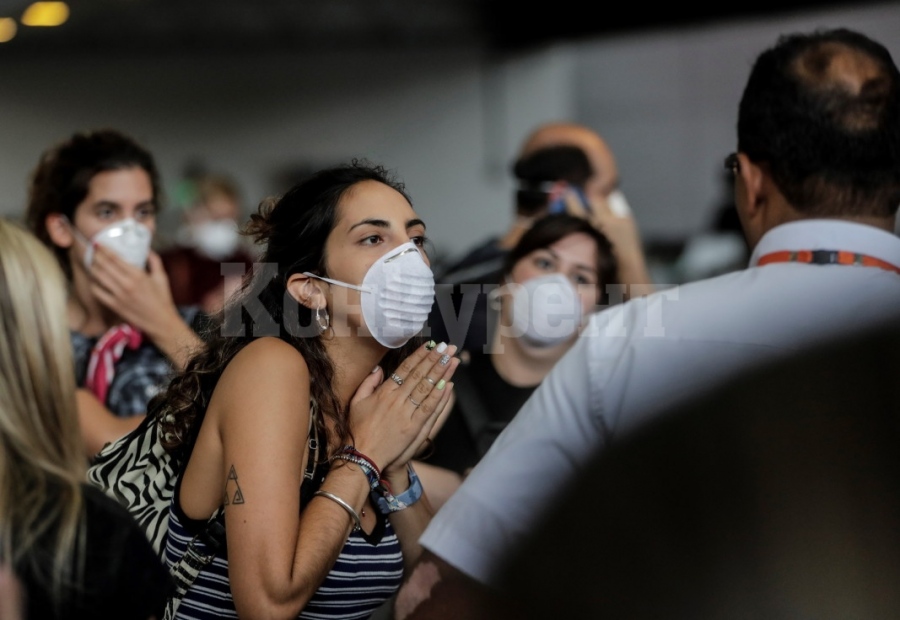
[(622, 232), (99, 425), (439, 482), (278, 556), (628, 249)]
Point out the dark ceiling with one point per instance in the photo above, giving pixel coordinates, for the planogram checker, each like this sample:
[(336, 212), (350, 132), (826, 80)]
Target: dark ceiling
[(110, 26)]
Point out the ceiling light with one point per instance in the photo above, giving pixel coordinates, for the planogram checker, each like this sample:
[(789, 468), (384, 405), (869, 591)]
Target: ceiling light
[(7, 29), (46, 14)]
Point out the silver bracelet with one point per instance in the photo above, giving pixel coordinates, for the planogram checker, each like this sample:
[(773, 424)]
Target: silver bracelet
[(337, 500)]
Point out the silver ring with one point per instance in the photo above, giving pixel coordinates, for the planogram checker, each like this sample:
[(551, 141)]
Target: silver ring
[(413, 401), (396, 379), (430, 380), (445, 359)]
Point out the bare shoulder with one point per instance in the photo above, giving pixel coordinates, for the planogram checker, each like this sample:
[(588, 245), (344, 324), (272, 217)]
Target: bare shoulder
[(265, 363), (268, 354)]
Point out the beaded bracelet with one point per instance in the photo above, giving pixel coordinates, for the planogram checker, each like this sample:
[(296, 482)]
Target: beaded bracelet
[(367, 465), (372, 475), (381, 488), (387, 502), (352, 451)]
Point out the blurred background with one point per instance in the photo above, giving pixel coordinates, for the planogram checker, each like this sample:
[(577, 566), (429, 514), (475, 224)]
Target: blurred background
[(440, 91)]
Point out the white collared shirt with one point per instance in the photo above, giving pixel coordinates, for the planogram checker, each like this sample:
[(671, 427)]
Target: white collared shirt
[(638, 360)]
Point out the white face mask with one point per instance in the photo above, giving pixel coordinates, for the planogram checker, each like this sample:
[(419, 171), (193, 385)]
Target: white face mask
[(216, 239), (397, 295), (617, 203), (128, 238), (546, 310)]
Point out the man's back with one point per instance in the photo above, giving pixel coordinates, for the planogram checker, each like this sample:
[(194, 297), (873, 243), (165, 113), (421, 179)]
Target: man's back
[(644, 357)]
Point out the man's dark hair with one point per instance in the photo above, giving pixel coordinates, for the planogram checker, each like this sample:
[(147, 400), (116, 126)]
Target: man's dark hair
[(548, 165), (822, 112)]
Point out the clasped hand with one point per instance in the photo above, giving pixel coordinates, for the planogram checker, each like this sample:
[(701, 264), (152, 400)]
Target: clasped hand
[(391, 418)]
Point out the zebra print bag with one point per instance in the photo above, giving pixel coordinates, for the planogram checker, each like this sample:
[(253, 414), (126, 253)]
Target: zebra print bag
[(136, 471)]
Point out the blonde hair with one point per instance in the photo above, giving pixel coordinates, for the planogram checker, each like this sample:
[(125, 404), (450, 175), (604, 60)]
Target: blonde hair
[(42, 464)]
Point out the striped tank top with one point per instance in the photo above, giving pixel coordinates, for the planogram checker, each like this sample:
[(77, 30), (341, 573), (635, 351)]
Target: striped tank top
[(366, 574)]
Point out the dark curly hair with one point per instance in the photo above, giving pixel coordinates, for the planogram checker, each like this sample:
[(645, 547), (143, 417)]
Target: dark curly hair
[(294, 229), (60, 181)]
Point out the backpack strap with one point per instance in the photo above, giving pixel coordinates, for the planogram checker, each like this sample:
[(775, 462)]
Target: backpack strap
[(185, 571), (312, 435)]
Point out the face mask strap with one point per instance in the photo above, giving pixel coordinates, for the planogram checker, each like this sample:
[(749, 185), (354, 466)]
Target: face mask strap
[(77, 233), (361, 289)]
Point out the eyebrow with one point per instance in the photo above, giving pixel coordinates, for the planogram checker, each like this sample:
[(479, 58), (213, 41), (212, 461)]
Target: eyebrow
[(386, 224), (117, 205), (580, 266)]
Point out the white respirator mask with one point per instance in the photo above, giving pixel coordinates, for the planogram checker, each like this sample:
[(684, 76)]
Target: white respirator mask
[(397, 295), (128, 238), (546, 310), (215, 239)]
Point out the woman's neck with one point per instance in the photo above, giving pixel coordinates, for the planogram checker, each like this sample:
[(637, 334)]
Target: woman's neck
[(353, 359), (521, 365), (86, 315)]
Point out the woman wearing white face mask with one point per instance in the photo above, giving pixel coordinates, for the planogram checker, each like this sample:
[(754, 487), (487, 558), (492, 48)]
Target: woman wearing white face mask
[(93, 200), (208, 238), (303, 413), (554, 278)]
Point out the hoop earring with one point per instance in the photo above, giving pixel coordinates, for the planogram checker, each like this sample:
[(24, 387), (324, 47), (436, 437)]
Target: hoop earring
[(493, 298), (323, 321)]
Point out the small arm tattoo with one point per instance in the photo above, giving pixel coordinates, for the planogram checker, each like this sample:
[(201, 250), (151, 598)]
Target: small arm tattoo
[(233, 493)]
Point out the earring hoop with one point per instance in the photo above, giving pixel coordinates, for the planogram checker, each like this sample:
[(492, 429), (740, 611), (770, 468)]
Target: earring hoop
[(493, 298), (323, 321)]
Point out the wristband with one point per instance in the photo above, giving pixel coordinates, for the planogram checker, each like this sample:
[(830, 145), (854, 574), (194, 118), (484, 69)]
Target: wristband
[(368, 467), (388, 503), (371, 474)]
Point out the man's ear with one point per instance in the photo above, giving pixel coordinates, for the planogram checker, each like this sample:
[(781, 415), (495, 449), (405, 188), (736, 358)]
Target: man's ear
[(305, 291), (752, 186), (59, 230), (754, 198)]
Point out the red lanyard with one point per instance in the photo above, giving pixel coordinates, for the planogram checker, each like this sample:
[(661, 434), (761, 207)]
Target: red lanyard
[(827, 257)]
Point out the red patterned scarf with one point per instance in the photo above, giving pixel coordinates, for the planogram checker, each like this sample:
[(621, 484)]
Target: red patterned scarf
[(108, 350)]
